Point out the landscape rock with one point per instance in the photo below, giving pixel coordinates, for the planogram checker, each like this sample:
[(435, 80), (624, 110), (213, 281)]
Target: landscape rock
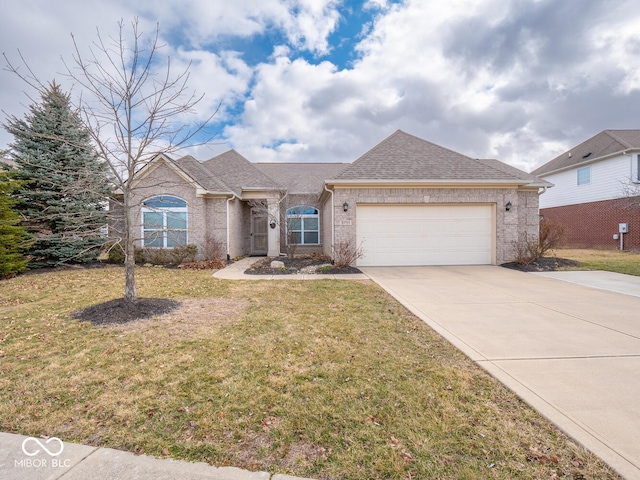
[(277, 264)]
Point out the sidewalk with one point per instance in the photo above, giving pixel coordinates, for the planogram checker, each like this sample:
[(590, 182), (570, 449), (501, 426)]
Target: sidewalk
[(610, 281), (79, 462), (235, 271)]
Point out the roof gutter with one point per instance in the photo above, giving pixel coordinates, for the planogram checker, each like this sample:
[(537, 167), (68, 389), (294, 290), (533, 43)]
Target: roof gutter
[(437, 183)]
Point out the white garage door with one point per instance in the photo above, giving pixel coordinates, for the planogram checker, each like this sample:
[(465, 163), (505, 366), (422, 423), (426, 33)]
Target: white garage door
[(394, 235)]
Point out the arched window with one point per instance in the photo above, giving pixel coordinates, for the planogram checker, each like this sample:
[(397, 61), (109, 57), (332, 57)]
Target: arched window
[(164, 222), (303, 225)]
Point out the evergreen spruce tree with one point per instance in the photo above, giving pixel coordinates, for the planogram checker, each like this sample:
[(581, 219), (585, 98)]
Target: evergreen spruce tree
[(63, 201), (14, 239)]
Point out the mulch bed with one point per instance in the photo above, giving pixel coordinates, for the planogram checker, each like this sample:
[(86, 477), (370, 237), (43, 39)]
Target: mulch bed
[(292, 266), (123, 311), (544, 264)]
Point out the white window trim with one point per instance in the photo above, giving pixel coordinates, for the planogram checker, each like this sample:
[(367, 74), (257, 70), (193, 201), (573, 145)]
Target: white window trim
[(302, 230), (164, 211), (587, 169)]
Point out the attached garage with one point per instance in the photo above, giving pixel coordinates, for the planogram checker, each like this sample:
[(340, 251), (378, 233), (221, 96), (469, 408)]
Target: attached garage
[(406, 234), (412, 202)]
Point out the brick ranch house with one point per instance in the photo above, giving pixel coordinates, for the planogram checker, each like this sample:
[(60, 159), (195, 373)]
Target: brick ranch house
[(597, 188), (406, 202)]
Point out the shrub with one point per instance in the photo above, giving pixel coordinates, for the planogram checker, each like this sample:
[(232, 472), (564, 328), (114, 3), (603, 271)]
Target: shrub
[(115, 253), (166, 256), (14, 239), (529, 250), (550, 236), (213, 249), (345, 254)]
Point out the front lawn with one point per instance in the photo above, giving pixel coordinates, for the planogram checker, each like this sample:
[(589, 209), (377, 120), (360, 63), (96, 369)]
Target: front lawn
[(609, 260), (324, 379)]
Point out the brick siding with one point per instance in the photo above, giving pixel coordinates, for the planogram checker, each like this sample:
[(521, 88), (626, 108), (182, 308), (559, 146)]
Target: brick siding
[(205, 216), (523, 219), (593, 224)]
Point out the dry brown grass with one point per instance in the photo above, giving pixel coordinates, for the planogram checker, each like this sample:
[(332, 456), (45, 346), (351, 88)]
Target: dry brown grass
[(609, 260), (324, 379)]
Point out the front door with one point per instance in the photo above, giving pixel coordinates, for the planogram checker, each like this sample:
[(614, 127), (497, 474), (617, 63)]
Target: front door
[(259, 232)]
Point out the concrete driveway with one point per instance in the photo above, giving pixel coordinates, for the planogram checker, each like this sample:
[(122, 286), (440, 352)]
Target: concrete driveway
[(571, 351)]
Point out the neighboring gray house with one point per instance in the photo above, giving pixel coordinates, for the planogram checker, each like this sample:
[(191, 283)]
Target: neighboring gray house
[(406, 202)]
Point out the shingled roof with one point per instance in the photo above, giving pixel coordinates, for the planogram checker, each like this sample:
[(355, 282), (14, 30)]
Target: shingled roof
[(301, 178), (197, 172), (238, 173), (404, 157), (399, 158), (605, 143)]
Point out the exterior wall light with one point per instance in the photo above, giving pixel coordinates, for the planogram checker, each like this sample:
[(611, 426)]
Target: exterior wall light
[(507, 207), (345, 206), (272, 224)]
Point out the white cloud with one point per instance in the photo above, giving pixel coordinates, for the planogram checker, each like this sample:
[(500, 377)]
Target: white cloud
[(520, 81), (305, 23)]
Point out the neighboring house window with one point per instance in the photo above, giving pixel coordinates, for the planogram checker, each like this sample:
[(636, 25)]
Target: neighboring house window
[(303, 225), (164, 222), (584, 175)]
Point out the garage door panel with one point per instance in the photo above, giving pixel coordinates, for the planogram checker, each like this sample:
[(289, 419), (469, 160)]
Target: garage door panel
[(425, 234)]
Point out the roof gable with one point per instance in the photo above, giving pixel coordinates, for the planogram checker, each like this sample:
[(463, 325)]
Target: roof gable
[(404, 157), (195, 170), (163, 159), (238, 173), (605, 143)]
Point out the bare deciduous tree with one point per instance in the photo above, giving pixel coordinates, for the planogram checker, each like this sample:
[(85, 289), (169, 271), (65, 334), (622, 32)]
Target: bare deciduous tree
[(134, 107)]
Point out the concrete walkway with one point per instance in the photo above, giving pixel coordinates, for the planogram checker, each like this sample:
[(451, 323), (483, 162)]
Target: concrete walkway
[(571, 351), (81, 462), (610, 281)]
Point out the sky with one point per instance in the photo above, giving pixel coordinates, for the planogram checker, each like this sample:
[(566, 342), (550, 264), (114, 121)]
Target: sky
[(326, 80)]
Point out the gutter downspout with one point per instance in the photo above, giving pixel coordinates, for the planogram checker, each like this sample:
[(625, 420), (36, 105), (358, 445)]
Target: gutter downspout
[(228, 233), (333, 224)]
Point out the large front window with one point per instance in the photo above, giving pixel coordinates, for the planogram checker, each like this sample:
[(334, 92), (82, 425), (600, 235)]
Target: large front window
[(164, 222), (303, 226)]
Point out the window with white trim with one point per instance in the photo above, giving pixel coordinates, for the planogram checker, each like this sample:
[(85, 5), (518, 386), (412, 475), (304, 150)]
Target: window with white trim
[(164, 222), (303, 225), (584, 175)]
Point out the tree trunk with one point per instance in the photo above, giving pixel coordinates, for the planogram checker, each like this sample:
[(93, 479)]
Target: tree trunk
[(130, 294)]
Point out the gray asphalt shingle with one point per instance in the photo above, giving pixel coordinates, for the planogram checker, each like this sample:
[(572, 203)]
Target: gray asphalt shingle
[(238, 173), (402, 156), (603, 144), (301, 177)]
